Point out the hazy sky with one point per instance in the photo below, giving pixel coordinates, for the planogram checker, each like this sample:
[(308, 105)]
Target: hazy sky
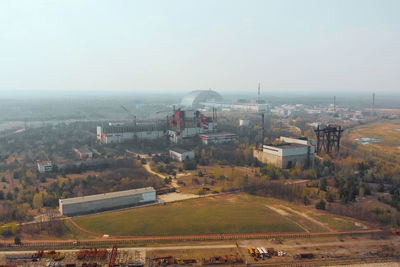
[(185, 45)]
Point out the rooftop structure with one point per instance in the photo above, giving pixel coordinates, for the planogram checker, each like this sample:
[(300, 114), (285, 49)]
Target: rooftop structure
[(185, 124)]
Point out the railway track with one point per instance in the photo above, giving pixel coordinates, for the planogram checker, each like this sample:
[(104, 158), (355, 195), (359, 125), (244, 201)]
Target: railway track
[(328, 262), (125, 241)]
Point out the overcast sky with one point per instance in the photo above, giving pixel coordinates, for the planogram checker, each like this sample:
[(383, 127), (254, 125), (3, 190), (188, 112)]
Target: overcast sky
[(148, 46)]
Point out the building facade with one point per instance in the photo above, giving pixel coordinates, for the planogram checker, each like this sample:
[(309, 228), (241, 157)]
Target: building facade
[(185, 125), (122, 133), (181, 155), (288, 153), (108, 201), (45, 166), (83, 153), (218, 138)]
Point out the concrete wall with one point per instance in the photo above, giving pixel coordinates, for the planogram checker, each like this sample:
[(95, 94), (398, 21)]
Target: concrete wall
[(217, 139), (285, 162), (80, 208), (181, 156), (269, 158), (293, 151), (45, 167), (122, 137)]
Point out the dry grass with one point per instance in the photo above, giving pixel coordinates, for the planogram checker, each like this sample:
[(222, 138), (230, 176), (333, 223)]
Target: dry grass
[(239, 213), (387, 148)]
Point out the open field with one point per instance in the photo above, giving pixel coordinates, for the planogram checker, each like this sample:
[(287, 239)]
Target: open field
[(240, 213), (323, 219), (387, 135)]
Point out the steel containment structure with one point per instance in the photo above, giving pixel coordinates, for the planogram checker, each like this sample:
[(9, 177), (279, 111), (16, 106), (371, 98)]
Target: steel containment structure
[(108, 201)]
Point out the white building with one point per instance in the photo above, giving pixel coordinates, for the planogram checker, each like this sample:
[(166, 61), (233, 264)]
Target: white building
[(181, 155), (217, 138), (120, 134), (84, 153), (244, 123), (108, 201), (250, 107), (288, 153), (45, 166)]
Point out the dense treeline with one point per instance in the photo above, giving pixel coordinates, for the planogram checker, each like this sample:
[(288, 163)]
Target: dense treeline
[(117, 180), (49, 141), (125, 174)]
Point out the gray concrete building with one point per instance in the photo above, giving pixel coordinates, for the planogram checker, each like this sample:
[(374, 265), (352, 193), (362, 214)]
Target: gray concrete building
[(180, 154), (288, 153), (108, 201)]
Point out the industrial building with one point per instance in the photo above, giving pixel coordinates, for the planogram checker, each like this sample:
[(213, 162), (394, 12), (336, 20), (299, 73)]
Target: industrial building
[(108, 201), (83, 153), (184, 125), (180, 154), (121, 133), (180, 126), (288, 153), (45, 166), (217, 138)]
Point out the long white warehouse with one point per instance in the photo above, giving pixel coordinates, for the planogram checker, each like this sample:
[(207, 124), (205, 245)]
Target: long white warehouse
[(108, 201)]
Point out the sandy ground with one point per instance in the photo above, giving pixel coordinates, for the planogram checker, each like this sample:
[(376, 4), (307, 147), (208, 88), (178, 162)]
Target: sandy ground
[(170, 197), (307, 217)]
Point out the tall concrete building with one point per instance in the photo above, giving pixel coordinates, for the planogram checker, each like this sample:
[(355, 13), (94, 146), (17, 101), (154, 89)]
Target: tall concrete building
[(288, 153)]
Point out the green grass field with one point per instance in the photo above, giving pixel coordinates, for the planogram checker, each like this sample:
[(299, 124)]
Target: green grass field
[(220, 214)]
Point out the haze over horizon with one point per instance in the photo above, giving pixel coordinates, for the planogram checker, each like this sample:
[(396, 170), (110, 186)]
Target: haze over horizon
[(179, 46)]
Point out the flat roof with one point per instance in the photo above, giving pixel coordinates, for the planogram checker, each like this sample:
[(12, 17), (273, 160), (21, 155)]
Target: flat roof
[(107, 195), (156, 126), (286, 146), (218, 134), (42, 163), (179, 150)]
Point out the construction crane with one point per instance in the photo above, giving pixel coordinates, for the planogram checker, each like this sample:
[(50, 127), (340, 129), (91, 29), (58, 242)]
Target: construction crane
[(134, 117)]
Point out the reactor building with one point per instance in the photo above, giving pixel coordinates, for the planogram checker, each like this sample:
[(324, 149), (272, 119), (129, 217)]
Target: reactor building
[(184, 125), (105, 202)]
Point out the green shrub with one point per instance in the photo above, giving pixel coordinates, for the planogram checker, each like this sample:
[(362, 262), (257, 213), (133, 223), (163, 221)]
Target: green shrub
[(320, 205)]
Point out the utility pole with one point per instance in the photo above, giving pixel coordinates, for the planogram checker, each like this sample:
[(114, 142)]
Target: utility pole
[(373, 104), (334, 104)]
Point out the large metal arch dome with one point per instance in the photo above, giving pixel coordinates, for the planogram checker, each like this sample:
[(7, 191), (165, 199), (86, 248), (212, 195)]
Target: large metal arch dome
[(194, 98)]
